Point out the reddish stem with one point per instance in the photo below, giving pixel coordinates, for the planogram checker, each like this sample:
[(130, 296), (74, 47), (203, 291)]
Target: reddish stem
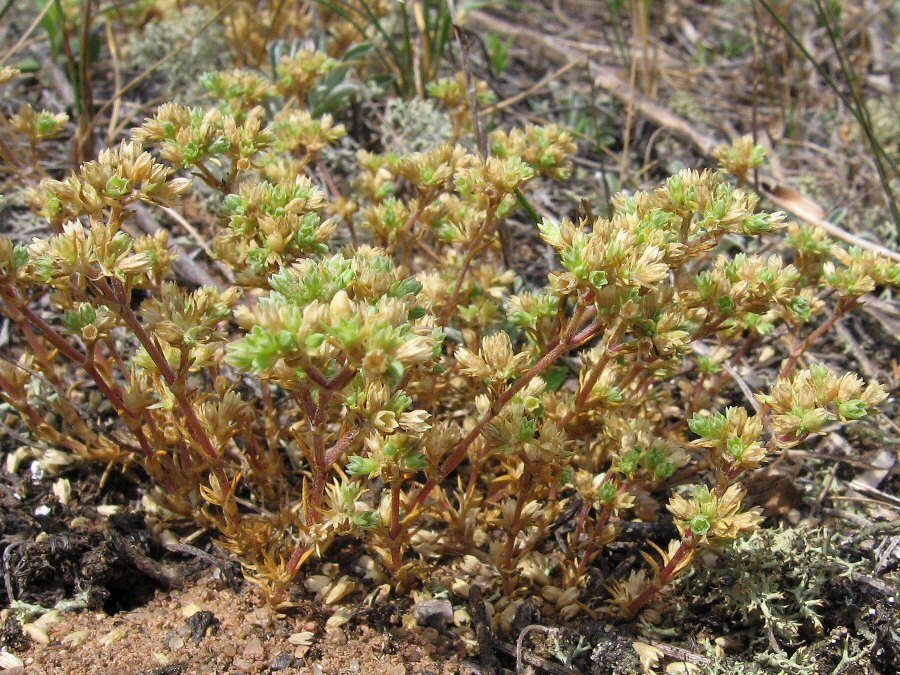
[(843, 306), (665, 575), (570, 338)]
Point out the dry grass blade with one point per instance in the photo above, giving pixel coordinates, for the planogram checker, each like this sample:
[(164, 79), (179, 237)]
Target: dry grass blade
[(28, 31), (131, 84)]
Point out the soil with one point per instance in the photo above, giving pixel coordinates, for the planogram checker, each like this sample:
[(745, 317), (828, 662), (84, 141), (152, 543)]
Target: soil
[(207, 627)]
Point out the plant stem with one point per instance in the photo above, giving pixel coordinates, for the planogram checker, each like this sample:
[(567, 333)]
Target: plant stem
[(664, 577), (591, 551), (843, 306), (568, 340), (396, 544), (193, 422), (37, 423), (474, 248)]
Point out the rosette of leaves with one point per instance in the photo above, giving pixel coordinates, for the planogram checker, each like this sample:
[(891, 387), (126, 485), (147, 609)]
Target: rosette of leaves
[(270, 225)]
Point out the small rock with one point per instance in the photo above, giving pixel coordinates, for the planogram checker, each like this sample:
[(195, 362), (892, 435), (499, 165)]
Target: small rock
[(76, 638), (339, 618), (229, 650), (282, 661), (175, 643), (199, 622), (396, 670), (260, 617), (304, 638), (254, 650), (336, 636), (434, 613), (242, 664), (430, 635)]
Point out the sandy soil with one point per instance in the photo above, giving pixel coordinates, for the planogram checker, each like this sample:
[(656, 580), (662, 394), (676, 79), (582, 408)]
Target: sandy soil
[(239, 635)]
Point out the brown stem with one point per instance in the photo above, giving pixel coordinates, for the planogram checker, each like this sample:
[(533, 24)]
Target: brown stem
[(395, 545), (318, 489), (43, 357), (338, 449), (340, 380), (193, 422), (49, 333), (580, 522), (116, 356), (473, 249), (590, 552), (290, 570), (37, 423), (208, 177), (315, 501), (313, 374), (843, 306), (593, 375)]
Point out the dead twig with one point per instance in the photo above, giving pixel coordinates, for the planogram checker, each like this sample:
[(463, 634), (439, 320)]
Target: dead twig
[(680, 653), (522, 656), (879, 585)]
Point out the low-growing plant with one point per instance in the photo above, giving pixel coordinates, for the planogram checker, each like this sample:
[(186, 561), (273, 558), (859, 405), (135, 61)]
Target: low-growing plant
[(408, 390)]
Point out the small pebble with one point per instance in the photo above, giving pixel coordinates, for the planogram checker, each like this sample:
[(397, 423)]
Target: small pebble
[(10, 661), (282, 661), (434, 613), (396, 670), (260, 617), (253, 650), (199, 623), (430, 635), (242, 664), (76, 638), (336, 636), (303, 639)]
